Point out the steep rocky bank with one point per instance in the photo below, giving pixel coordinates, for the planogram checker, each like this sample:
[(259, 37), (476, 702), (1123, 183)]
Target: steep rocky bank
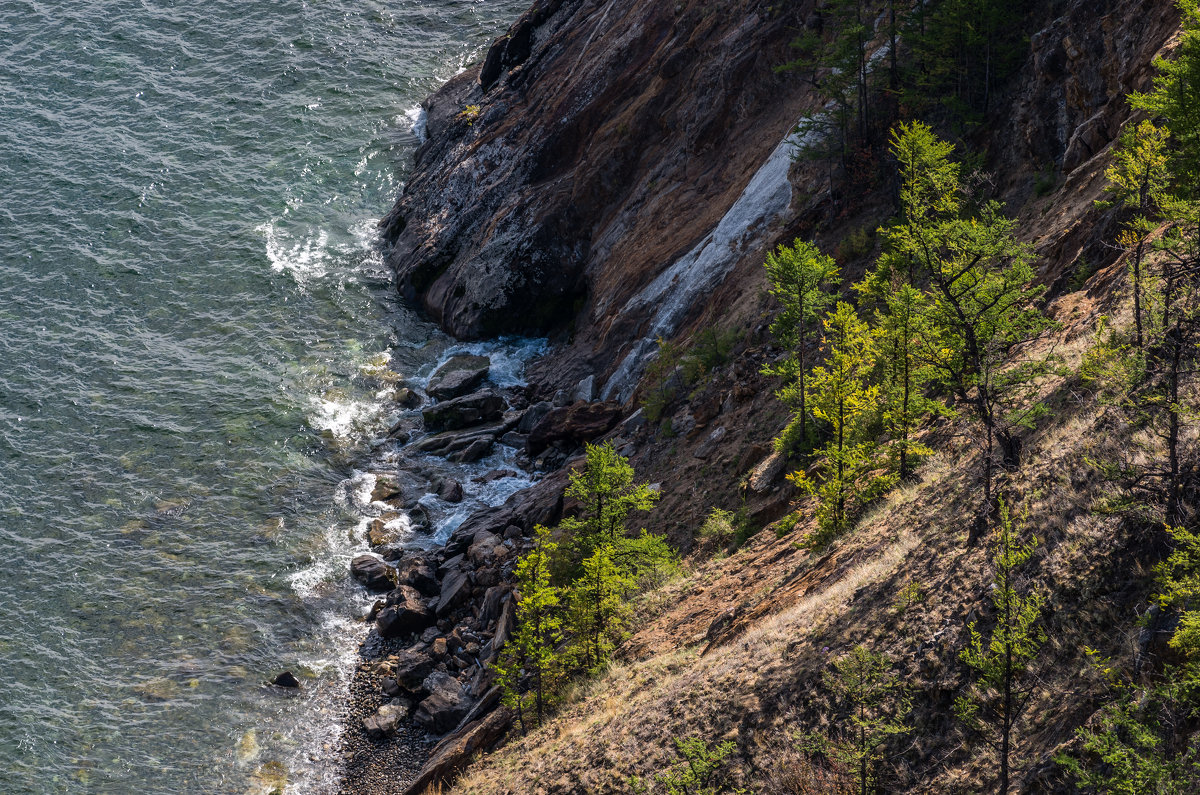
[(604, 177)]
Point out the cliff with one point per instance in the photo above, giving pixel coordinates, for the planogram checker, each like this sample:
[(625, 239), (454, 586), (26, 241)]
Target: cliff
[(615, 171)]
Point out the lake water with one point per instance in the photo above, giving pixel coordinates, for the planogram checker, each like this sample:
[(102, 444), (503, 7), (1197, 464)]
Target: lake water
[(195, 331)]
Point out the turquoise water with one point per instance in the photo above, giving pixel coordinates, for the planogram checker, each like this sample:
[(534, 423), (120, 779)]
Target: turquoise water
[(193, 319)]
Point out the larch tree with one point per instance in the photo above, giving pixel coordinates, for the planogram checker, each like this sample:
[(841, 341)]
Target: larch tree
[(801, 278)]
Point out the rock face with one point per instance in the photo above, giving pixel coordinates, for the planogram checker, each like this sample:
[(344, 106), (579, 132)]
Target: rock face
[(577, 423), (458, 376), (595, 125)]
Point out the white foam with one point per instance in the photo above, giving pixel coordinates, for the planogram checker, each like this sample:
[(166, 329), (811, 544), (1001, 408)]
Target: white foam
[(509, 355), (304, 259), (418, 120)]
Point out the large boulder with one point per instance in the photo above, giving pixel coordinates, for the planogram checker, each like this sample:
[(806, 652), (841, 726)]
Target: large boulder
[(460, 375), (446, 704), (575, 424), (463, 412), (406, 611), (454, 752), (372, 572)]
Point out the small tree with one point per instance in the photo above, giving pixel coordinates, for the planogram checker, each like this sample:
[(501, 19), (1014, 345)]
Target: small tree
[(877, 706), (982, 309), (532, 652), (608, 495), (991, 706), (1139, 181), (844, 398), (598, 608), (698, 772), (800, 276), (899, 331)]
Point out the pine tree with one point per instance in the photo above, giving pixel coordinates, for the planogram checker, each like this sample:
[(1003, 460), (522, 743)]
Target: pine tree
[(800, 277), (843, 397), (982, 306), (532, 652), (877, 706), (1002, 686)]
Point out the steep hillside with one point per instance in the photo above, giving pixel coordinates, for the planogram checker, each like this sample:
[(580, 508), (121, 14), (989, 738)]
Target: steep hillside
[(616, 172)]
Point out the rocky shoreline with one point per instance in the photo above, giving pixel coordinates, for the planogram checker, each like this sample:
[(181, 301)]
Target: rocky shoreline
[(422, 697)]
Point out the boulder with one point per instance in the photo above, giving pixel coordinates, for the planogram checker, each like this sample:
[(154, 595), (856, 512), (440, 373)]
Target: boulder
[(766, 474), (449, 442), (710, 444), (457, 377), (575, 424), (453, 753), (463, 412), (455, 588), (408, 398), (387, 487), (406, 612), (372, 572), (411, 667), (384, 722), (478, 449), (532, 416), (419, 574), (483, 548), (380, 534), (451, 491), (286, 679), (585, 390), (446, 704)]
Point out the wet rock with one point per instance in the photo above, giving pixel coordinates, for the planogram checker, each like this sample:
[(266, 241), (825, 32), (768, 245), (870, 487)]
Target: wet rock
[(387, 487), (408, 398), (286, 679), (575, 424), (514, 439), (379, 534), (446, 705), (451, 491), (478, 449), (445, 444), (406, 612), (464, 412), (372, 573), (459, 376)]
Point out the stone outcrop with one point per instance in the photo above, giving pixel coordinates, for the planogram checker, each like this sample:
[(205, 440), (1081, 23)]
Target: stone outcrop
[(460, 375), (595, 123)]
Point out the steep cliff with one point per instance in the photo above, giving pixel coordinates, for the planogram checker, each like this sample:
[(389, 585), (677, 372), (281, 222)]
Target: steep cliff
[(616, 171)]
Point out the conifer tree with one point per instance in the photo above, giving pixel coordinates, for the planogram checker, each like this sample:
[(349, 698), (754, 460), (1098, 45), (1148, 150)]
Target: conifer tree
[(598, 607), (995, 700), (800, 277), (899, 330), (844, 398), (877, 706), (1139, 179), (532, 652), (981, 307), (605, 488)]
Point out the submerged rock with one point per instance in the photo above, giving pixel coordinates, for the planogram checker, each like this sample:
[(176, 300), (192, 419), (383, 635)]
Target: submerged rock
[(286, 679)]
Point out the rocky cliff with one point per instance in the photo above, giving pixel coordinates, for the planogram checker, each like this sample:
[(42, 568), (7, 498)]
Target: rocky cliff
[(615, 171)]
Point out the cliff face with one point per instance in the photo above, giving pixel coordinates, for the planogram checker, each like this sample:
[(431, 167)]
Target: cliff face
[(600, 141)]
